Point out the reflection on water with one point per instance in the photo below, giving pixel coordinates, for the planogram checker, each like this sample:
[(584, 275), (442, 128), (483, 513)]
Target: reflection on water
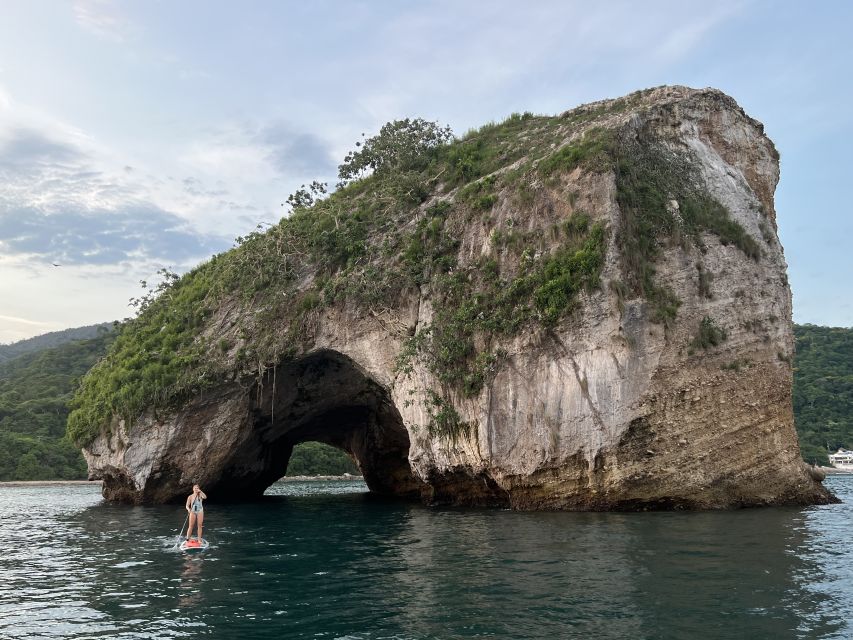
[(325, 559), (190, 586)]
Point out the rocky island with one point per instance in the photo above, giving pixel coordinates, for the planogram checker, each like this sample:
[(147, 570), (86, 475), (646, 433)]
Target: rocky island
[(585, 311)]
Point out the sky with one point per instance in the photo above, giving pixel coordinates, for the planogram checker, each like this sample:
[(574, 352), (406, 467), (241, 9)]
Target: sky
[(142, 135)]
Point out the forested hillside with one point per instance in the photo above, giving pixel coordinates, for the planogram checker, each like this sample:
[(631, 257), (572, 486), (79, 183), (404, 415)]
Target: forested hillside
[(35, 387), (48, 340), (34, 391), (317, 459), (823, 390)]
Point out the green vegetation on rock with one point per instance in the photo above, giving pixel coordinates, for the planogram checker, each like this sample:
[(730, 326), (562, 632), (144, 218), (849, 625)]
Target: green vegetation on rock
[(154, 358), (394, 226), (478, 305), (661, 199), (710, 334)]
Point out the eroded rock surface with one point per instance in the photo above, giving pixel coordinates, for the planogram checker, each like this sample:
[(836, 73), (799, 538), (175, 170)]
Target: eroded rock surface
[(609, 408)]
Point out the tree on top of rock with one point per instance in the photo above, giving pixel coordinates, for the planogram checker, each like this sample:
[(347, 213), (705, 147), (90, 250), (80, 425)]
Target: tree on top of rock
[(400, 144)]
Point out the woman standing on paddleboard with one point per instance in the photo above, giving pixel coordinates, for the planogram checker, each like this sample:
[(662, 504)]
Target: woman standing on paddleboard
[(196, 511)]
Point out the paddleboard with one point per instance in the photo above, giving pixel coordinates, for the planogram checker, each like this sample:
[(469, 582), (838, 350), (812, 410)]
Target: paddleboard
[(194, 545)]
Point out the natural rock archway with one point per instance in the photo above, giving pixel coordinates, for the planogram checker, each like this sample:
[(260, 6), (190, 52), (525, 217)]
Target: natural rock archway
[(237, 440), (586, 311), (327, 398)]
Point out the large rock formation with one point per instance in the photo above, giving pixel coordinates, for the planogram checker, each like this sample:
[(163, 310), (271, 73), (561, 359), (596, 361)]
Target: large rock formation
[(614, 283)]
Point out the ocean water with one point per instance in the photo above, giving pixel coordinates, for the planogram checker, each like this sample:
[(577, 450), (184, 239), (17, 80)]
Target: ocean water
[(327, 560)]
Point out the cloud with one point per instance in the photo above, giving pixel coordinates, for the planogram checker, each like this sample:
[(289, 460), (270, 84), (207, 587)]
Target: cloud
[(44, 170), (16, 320), (135, 233), (195, 187), (50, 170), (57, 204), (13, 328), (468, 61), (237, 174), (295, 153), (101, 18), (27, 147), (683, 37), (269, 151)]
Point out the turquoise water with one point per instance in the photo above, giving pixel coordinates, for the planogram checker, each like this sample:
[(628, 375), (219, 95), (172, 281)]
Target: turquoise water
[(325, 560)]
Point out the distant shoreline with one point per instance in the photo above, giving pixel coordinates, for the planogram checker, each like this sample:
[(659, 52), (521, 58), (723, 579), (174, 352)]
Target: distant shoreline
[(832, 471), (346, 476), (35, 483)]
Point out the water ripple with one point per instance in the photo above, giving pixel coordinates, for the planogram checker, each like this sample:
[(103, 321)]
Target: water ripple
[(327, 561)]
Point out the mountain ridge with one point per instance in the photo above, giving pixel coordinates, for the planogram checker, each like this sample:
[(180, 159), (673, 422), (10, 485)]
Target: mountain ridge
[(51, 339)]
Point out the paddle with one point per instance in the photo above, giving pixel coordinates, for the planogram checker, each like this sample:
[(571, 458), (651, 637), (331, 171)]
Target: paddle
[(178, 541)]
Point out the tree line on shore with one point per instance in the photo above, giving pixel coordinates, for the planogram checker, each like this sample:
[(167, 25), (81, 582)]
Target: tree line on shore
[(823, 390)]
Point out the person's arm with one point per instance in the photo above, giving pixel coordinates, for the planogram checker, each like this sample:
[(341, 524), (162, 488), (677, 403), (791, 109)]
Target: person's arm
[(187, 504), (202, 494)]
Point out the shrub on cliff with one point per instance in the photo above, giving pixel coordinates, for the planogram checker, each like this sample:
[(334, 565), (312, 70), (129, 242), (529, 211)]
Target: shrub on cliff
[(710, 334)]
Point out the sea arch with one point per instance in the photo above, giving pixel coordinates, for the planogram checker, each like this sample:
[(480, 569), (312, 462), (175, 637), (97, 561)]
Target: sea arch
[(325, 397)]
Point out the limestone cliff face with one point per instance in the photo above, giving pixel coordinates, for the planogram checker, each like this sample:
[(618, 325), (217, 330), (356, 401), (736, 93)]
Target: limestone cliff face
[(616, 405)]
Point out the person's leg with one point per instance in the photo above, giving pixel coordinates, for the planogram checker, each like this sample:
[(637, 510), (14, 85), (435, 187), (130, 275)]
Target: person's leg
[(200, 523), (192, 524)]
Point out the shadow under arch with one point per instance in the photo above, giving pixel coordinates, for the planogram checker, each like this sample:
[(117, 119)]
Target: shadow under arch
[(325, 397)]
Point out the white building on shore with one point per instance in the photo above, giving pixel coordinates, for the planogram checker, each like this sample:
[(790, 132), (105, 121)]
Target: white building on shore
[(842, 459)]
